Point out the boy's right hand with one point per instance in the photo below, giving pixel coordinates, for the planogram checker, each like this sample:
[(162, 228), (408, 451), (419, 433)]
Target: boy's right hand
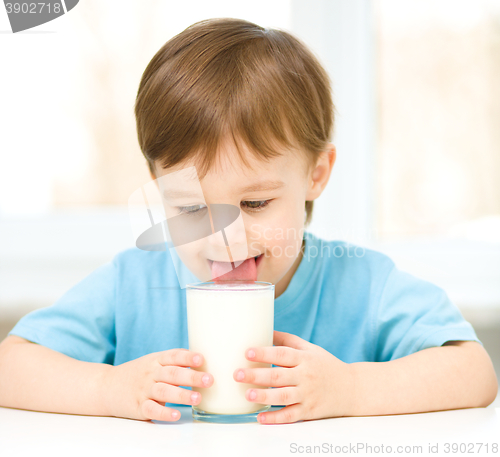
[(138, 389)]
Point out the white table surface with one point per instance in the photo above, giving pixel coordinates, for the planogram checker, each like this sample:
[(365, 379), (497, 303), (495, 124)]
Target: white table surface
[(29, 433)]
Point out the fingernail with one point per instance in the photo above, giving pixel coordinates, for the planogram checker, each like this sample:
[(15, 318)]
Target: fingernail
[(251, 354), (240, 375), (262, 418), (196, 359), (252, 395), (205, 379), (194, 396), (175, 415)]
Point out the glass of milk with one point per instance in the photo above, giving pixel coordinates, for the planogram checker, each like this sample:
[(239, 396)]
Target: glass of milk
[(225, 319)]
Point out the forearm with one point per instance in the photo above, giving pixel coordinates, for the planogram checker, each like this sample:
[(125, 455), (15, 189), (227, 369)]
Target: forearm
[(37, 378), (434, 379)]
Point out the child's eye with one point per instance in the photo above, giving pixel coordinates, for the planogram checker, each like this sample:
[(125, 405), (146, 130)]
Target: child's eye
[(255, 206), (191, 210), (198, 209)]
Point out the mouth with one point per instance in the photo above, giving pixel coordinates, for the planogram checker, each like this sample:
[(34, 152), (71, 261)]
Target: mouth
[(257, 258)]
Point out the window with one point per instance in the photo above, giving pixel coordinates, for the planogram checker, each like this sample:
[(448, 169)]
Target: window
[(438, 71), (418, 147)]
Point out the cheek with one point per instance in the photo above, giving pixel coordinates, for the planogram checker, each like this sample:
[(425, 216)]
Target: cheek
[(190, 256), (280, 235), (187, 253)]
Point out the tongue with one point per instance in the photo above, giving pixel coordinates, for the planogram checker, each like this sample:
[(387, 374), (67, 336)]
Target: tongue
[(223, 271)]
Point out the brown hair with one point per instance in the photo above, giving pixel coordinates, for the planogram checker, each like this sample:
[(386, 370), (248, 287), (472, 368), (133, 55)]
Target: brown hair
[(229, 78)]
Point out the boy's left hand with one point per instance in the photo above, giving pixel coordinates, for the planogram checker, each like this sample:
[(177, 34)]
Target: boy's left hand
[(312, 382)]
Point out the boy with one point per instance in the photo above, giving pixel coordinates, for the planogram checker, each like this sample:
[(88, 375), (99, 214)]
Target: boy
[(251, 110)]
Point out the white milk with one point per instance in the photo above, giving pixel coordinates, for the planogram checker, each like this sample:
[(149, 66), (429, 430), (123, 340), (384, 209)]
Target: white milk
[(223, 323)]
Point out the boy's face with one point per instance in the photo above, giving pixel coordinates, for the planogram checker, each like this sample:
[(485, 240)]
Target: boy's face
[(271, 196)]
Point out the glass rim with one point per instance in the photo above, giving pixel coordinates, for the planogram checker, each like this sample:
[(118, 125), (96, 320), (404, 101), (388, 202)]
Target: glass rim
[(209, 285)]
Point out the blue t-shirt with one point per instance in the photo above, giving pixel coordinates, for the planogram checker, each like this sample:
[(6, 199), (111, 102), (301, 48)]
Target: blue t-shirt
[(352, 301)]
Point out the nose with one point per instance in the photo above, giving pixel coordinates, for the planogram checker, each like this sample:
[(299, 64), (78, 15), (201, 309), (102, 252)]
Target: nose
[(229, 233)]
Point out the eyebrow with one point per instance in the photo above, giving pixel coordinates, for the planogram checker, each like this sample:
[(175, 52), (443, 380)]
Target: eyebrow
[(263, 185), (256, 187)]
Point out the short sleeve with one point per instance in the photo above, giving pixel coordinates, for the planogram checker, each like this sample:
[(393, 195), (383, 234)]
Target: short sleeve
[(81, 323), (414, 314)]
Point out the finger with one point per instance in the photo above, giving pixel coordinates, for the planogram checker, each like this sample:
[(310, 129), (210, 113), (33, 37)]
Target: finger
[(289, 339), (181, 376), (154, 411), (180, 357), (167, 393), (279, 396), (286, 415), (277, 355), (273, 377)]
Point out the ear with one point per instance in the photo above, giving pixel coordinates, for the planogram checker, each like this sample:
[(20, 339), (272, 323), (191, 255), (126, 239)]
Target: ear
[(319, 176)]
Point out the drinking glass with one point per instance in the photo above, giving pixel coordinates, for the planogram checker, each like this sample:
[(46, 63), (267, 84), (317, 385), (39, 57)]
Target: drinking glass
[(225, 319)]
